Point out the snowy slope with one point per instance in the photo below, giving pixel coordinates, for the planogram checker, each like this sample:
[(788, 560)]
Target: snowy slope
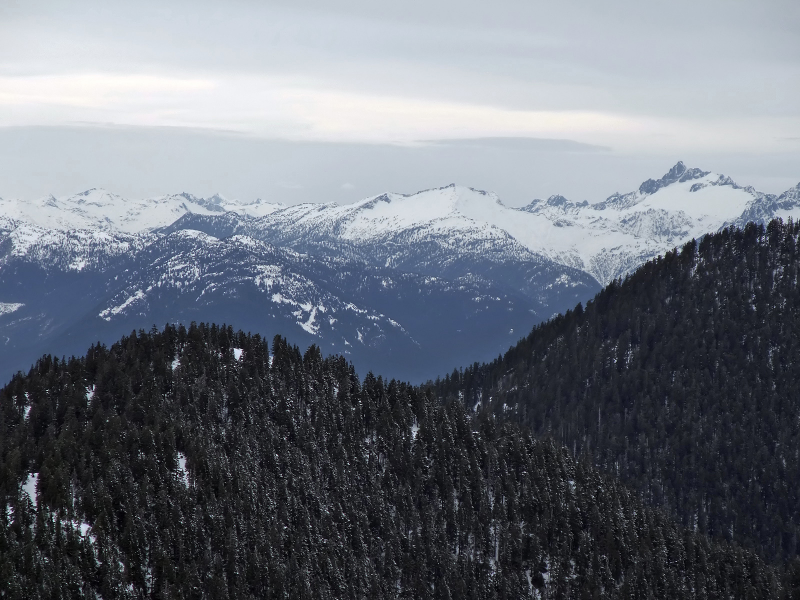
[(447, 233), (102, 210), (611, 238), (200, 267), (605, 239)]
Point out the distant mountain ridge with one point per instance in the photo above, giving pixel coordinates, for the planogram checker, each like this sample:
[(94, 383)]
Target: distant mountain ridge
[(607, 238), (450, 263), (98, 209)]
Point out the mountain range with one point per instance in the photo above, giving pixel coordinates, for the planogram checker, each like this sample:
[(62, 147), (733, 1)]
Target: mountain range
[(408, 285), (642, 444)]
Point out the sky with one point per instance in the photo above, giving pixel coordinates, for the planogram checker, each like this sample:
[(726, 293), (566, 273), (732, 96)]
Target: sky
[(338, 100)]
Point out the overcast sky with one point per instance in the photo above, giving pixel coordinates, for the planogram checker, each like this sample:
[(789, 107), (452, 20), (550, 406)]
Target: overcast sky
[(294, 101)]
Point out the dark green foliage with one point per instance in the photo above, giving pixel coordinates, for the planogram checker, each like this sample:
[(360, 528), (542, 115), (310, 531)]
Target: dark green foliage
[(682, 380), (305, 482)]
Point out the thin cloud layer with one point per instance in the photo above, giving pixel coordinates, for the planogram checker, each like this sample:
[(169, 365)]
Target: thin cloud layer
[(670, 75), (645, 82)]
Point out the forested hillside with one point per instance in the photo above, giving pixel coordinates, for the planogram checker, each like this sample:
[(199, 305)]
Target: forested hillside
[(682, 380), (199, 464)]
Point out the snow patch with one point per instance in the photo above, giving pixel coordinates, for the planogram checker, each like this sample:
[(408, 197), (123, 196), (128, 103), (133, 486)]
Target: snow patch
[(29, 487), (237, 353), (84, 528), (309, 325), (114, 311), (6, 308), (183, 472), (268, 275), (100, 209)]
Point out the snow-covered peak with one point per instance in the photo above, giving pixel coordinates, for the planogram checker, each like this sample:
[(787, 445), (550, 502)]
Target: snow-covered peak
[(678, 173), (554, 203), (390, 213), (793, 193), (705, 196), (100, 209), (606, 239)]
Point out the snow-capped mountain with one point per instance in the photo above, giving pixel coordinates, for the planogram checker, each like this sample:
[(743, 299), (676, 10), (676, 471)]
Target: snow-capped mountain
[(605, 240), (411, 285), (98, 209), (611, 238)]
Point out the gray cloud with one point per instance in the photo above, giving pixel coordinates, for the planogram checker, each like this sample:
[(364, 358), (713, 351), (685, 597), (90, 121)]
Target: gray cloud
[(615, 91), (707, 58)]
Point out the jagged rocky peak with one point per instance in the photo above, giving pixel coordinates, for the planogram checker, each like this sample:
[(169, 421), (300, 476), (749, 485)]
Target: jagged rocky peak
[(678, 173), (560, 201), (187, 196), (793, 192), (557, 200), (216, 203)]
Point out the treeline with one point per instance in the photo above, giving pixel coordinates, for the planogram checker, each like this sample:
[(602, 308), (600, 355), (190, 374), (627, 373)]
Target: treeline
[(200, 463), (682, 380)]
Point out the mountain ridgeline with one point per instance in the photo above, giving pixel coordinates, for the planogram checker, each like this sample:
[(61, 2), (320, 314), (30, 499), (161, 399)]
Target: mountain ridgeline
[(197, 463), (406, 285), (682, 380)]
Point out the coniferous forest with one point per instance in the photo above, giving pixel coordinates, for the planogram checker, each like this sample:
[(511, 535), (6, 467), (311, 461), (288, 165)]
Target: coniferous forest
[(644, 446), (681, 380)]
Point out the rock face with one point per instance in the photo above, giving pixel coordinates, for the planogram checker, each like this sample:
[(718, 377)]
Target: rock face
[(410, 285)]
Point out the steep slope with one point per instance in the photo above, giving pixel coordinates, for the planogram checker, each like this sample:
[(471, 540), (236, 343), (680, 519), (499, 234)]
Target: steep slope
[(681, 380), (197, 463)]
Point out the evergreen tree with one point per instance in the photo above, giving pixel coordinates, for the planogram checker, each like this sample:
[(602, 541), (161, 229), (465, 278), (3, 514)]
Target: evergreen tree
[(168, 468), (681, 380)]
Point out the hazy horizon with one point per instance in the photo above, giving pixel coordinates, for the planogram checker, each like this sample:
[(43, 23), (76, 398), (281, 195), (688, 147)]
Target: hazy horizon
[(138, 162)]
